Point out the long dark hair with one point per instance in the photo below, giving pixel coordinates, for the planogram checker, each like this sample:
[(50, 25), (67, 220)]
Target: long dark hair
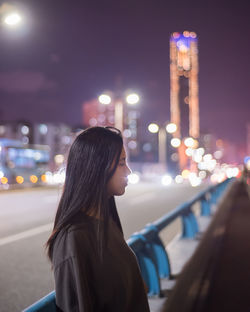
[(92, 161)]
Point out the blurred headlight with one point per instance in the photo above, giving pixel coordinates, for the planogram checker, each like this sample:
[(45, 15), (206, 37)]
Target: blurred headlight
[(166, 180), (133, 178)]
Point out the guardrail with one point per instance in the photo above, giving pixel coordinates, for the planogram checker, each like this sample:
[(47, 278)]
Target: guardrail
[(148, 247)]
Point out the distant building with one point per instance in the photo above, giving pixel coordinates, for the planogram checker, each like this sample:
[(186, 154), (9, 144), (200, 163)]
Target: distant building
[(97, 114), (57, 136)]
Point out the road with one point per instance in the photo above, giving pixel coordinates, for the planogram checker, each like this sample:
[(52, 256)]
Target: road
[(26, 218)]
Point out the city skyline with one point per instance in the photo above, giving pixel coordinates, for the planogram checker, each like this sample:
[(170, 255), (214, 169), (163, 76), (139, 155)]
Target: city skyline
[(65, 55)]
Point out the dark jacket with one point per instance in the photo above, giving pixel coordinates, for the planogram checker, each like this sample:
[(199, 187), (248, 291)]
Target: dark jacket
[(84, 283)]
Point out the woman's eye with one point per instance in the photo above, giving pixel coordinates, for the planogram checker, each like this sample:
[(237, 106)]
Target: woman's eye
[(121, 164)]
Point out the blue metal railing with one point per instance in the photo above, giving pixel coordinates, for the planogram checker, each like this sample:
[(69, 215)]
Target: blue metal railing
[(45, 304), (148, 247)]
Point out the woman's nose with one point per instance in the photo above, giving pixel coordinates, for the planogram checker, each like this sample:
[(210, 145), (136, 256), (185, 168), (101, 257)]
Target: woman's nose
[(128, 170)]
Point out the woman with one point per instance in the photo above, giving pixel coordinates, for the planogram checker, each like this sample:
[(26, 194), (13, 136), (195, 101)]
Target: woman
[(94, 268)]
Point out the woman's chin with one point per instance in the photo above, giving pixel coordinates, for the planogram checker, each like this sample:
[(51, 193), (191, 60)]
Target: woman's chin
[(120, 192)]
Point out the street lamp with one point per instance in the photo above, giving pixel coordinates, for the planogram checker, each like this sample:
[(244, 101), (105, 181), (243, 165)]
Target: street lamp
[(12, 19), (162, 140), (131, 99), (189, 142), (104, 99), (176, 142), (9, 15), (153, 128), (171, 127)]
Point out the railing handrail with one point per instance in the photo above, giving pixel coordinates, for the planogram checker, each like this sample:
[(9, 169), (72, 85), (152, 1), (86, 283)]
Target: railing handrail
[(164, 221)]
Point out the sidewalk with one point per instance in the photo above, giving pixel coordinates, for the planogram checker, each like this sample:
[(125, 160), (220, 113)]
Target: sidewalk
[(179, 251)]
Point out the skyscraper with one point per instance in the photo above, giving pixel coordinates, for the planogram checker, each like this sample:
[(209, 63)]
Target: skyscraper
[(184, 101)]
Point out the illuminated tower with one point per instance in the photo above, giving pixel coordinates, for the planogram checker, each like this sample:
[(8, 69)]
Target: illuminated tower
[(184, 101)]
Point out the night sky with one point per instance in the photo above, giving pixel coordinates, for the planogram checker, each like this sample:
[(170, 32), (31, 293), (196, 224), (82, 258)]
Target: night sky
[(68, 52)]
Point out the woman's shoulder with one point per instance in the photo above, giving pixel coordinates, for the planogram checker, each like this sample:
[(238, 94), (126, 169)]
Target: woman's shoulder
[(76, 237)]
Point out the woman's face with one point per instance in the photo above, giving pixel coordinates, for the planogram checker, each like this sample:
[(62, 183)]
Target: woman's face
[(119, 180)]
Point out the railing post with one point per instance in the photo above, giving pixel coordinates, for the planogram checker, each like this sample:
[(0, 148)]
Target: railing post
[(194, 223), (205, 207), (148, 267), (187, 229), (159, 252)]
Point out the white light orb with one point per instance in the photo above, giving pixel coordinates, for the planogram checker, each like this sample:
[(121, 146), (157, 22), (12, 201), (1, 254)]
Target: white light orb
[(235, 171), (43, 129), (194, 180), (197, 157), (218, 154), (207, 157), (202, 174), (25, 130), (175, 142), (189, 142), (201, 151), (179, 179), (132, 98), (104, 99), (189, 151), (171, 127), (153, 128), (37, 155), (133, 178), (166, 180), (12, 19)]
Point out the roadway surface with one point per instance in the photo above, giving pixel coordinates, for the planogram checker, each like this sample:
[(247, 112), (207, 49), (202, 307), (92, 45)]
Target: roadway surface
[(26, 218)]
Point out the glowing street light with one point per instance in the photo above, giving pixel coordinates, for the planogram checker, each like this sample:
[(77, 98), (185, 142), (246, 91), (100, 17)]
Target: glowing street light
[(166, 180), (153, 128), (175, 142), (104, 99), (171, 127), (189, 142), (132, 98), (162, 140), (12, 19)]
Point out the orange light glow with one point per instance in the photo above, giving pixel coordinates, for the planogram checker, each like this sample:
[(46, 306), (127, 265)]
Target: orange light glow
[(185, 173), (4, 180), (19, 179), (44, 178), (33, 179)]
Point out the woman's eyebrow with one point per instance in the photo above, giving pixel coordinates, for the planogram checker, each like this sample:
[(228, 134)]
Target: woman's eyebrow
[(123, 158)]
